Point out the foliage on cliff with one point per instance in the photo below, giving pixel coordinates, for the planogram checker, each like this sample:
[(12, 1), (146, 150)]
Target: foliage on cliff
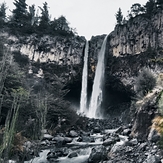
[(147, 10), (24, 19), (144, 82)]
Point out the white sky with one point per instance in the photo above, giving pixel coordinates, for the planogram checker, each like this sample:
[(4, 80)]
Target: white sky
[(89, 17)]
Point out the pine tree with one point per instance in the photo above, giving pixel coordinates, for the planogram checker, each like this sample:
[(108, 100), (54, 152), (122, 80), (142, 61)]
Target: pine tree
[(119, 16), (61, 24), (150, 7), (2, 13), (45, 18), (31, 15), (20, 12)]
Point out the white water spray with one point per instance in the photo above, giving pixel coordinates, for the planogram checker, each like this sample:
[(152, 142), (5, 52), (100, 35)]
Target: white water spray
[(97, 93), (83, 98)]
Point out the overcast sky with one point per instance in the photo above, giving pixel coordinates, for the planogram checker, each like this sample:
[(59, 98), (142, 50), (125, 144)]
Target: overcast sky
[(89, 17)]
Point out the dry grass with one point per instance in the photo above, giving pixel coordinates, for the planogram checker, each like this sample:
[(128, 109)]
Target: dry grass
[(157, 124), (18, 143)]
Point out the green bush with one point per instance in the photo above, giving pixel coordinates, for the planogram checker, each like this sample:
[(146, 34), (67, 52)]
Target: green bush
[(144, 82)]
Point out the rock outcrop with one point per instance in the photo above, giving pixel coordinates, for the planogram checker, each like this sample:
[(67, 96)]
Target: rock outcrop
[(137, 35), (131, 46), (63, 52)]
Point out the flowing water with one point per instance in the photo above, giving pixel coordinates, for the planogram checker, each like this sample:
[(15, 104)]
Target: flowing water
[(97, 93), (83, 150), (83, 98), (41, 159)]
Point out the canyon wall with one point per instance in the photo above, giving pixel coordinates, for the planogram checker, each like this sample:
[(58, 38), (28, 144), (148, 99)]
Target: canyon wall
[(130, 47), (63, 53)]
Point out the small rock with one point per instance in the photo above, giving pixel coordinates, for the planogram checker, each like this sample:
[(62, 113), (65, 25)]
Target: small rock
[(134, 141), (97, 130), (152, 159), (153, 136), (126, 132), (43, 143), (73, 154), (67, 140), (142, 147), (108, 142), (73, 133), (47, 136)]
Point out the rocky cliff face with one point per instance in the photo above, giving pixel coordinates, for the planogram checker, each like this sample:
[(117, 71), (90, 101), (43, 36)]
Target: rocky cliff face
[(137, 35), (131, 46), (65, 53)]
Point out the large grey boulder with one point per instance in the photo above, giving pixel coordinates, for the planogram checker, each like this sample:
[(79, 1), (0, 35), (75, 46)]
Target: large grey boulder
[(97, 154)]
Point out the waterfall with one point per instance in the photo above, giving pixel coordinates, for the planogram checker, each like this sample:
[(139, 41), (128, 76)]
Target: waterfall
[(97, 92), (83, 98)]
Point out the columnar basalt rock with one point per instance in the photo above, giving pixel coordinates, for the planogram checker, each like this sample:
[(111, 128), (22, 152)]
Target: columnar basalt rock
[(65, 53), (130, 47), (137, 35)]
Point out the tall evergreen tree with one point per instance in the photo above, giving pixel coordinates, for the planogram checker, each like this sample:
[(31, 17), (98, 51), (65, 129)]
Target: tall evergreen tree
[(2, 13), (31, 15), (20, 12), (119, 16), (45, 18), (150, 7), (61, 24)]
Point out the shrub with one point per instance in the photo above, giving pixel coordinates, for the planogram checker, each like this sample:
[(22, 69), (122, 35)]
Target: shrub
[(144, 82)]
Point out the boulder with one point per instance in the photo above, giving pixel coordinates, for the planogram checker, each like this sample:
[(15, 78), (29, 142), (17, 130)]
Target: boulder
[(152, 159), (97, 129), (153, 136), (72, 154), (134, 141), (84, 138), (142, 147), (59, 141), (108, 142), (97, 154), (126, 131), (73, 134), (68, 140), (57, 152), (47, 136)]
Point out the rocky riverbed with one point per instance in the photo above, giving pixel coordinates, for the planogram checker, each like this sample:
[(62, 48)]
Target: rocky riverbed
[(100, 142)]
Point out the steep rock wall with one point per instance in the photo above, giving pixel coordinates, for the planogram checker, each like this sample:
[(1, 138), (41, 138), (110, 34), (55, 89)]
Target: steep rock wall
[(137, 35), (130, 47), (62, 55)]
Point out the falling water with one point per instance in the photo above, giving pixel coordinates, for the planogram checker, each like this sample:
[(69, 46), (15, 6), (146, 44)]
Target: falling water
[(97, 93), (83, 98)]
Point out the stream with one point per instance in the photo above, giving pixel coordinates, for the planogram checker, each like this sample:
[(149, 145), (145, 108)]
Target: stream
[(77, 152), (98, 143)]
